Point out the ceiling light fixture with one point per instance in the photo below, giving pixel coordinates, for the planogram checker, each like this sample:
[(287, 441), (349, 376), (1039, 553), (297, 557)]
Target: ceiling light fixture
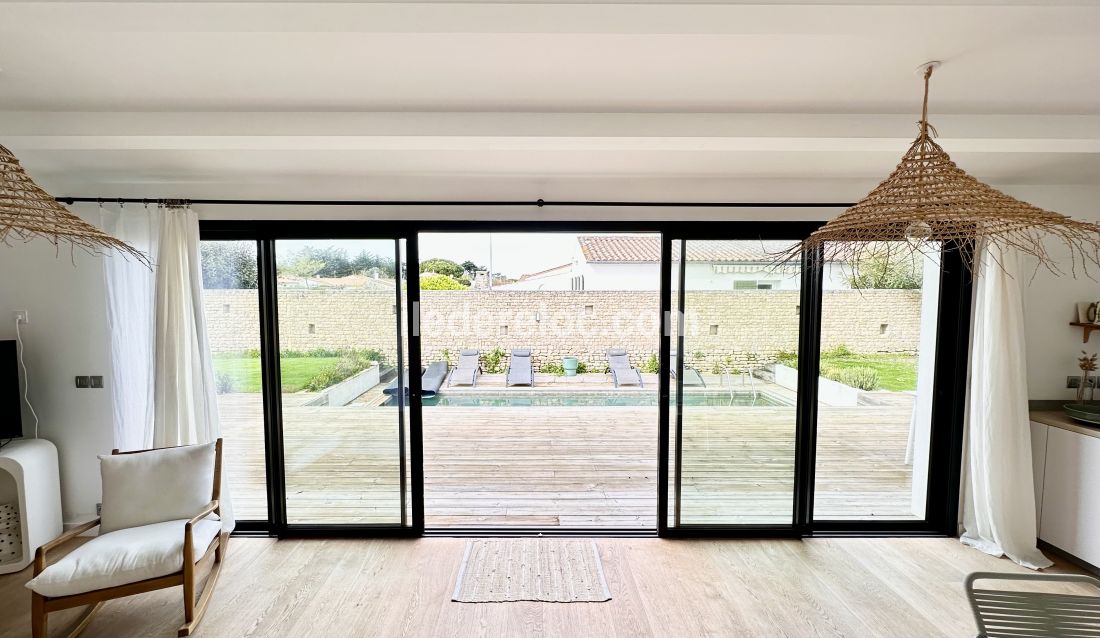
[(929, 199), (27, 211)]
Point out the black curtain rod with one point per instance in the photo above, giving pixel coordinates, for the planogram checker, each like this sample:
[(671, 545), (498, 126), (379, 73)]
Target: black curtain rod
[(538, 203)]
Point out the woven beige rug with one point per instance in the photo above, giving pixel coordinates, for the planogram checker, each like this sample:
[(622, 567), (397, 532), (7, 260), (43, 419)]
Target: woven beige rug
[(534, 569)]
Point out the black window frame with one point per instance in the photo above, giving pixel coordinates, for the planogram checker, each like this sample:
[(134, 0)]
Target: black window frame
[(952, 347)]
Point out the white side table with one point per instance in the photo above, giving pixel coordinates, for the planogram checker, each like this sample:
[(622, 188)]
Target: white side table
[(29, 478)]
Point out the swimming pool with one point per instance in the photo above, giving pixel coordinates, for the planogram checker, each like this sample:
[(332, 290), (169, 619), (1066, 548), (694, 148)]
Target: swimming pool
[(527, 398)]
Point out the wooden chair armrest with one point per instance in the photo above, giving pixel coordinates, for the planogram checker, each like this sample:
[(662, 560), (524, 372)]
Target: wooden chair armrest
[(207, 510), (188, 543), (40, 554)]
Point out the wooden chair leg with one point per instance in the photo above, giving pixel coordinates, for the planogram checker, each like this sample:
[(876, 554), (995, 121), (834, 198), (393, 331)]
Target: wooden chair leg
[(188, 595), (39, 626), (85, 619), (223, 546), (194, 616)]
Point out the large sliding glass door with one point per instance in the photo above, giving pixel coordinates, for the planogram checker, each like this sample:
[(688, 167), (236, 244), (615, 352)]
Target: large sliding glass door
[(816, 396), (732, 417), (342, 350)]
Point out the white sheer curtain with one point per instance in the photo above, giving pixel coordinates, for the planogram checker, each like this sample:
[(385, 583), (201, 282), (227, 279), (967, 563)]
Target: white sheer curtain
[(131, 290), (161, 364), (999, 497)]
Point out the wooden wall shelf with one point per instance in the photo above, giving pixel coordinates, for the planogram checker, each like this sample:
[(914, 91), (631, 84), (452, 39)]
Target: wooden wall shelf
[(1087, 329)]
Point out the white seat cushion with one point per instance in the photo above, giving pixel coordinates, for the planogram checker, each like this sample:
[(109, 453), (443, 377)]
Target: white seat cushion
[(156, 486), (124, 556)]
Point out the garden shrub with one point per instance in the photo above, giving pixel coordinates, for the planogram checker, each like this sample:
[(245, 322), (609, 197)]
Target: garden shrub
[(351, 362), (224, 383), (861, 377), (493, 361)]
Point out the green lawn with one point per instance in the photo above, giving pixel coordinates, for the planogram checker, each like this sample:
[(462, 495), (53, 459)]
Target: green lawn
[(297, 371), (895, 372)]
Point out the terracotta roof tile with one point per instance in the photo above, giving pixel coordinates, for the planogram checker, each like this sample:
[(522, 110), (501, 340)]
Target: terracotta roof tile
[(647, 248)]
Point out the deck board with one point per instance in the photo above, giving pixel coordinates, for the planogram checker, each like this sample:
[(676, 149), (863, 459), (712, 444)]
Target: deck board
[(568, 466)]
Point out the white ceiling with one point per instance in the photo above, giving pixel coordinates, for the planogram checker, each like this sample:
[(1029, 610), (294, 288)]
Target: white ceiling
[(317, 100)]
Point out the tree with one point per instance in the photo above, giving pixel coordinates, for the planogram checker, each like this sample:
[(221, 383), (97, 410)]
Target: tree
[(334, 261), (228, 264), (369, 262), (470, 268), (883, 270), (442, 267), (435, 281), (304, 267)]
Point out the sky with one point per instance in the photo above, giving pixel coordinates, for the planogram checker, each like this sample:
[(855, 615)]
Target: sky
[(513, 254)]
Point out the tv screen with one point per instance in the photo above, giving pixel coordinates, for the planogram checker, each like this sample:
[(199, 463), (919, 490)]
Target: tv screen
[(11, 421)]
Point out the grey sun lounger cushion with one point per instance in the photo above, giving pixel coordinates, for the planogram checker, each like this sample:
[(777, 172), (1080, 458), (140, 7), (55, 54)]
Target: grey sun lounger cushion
[(465, 373), (691, 375), (430, 380), (622, 373), (520, 371)]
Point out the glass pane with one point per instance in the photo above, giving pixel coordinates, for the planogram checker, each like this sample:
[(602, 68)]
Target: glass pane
[(737, 425), (878, 340), (231, 303), (340, 347), (530, 427)]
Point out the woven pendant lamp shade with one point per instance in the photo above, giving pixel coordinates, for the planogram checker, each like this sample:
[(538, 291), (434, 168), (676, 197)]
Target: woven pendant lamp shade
[(27, 211), (929, 199)]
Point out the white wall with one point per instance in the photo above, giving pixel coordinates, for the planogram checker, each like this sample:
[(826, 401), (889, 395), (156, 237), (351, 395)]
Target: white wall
[(1052, 344), (67, 336)]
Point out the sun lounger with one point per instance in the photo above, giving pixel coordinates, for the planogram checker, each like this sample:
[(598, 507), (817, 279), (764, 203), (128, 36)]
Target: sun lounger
[(520, 371), (465, 373), (691, 375), (430, 381), (621, 371)]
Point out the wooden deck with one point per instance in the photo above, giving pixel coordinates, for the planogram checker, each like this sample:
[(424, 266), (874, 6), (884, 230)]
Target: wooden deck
[(568, 466)]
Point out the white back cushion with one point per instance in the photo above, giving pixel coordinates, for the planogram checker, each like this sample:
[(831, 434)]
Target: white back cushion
[(155, 486)]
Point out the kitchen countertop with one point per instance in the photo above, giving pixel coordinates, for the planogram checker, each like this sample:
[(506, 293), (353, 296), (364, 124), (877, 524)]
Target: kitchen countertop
[(1058, 419)]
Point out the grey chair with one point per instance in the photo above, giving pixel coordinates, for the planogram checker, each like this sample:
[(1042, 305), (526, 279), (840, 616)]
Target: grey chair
[(430, 381), (465, 373), (520, 371), (622, 373), (1023, 614), (691, 375)]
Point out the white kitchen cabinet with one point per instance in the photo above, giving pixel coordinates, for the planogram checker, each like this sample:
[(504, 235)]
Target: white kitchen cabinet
[(1038, 465), (1070, 517)]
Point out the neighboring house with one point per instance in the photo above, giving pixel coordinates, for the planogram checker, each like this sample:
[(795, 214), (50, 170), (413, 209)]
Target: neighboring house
[(632, 262)]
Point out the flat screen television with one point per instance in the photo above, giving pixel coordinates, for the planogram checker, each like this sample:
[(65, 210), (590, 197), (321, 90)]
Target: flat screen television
[(11, 420)]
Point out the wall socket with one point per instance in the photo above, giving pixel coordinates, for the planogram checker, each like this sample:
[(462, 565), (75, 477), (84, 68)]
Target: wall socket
[(89, 381), (21, 316), (1075, 382)]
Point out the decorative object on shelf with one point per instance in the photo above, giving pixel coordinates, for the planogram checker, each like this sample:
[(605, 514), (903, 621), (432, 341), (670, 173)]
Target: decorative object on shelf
[(1086, 312), (1094, 312), (928, 199), (1087, 363), (1084, 413), (27, 211)]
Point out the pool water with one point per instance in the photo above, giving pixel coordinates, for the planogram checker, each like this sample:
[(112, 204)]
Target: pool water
[(521, 398)]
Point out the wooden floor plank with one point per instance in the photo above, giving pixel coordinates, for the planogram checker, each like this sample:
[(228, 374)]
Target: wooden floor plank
[(898, 588)]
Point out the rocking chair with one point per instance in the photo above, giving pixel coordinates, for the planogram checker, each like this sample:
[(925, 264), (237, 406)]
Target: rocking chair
[(160, 527)]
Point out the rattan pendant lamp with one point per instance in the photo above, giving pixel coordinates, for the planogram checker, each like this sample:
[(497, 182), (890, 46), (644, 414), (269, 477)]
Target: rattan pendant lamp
[(929, 199), (27, 211)]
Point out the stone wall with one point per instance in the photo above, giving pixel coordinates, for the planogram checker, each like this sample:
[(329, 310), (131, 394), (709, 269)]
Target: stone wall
[(720, 326)]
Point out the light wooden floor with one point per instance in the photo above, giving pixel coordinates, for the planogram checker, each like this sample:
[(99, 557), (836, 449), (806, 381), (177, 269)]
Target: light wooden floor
[(334, 588), (569, 466)]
